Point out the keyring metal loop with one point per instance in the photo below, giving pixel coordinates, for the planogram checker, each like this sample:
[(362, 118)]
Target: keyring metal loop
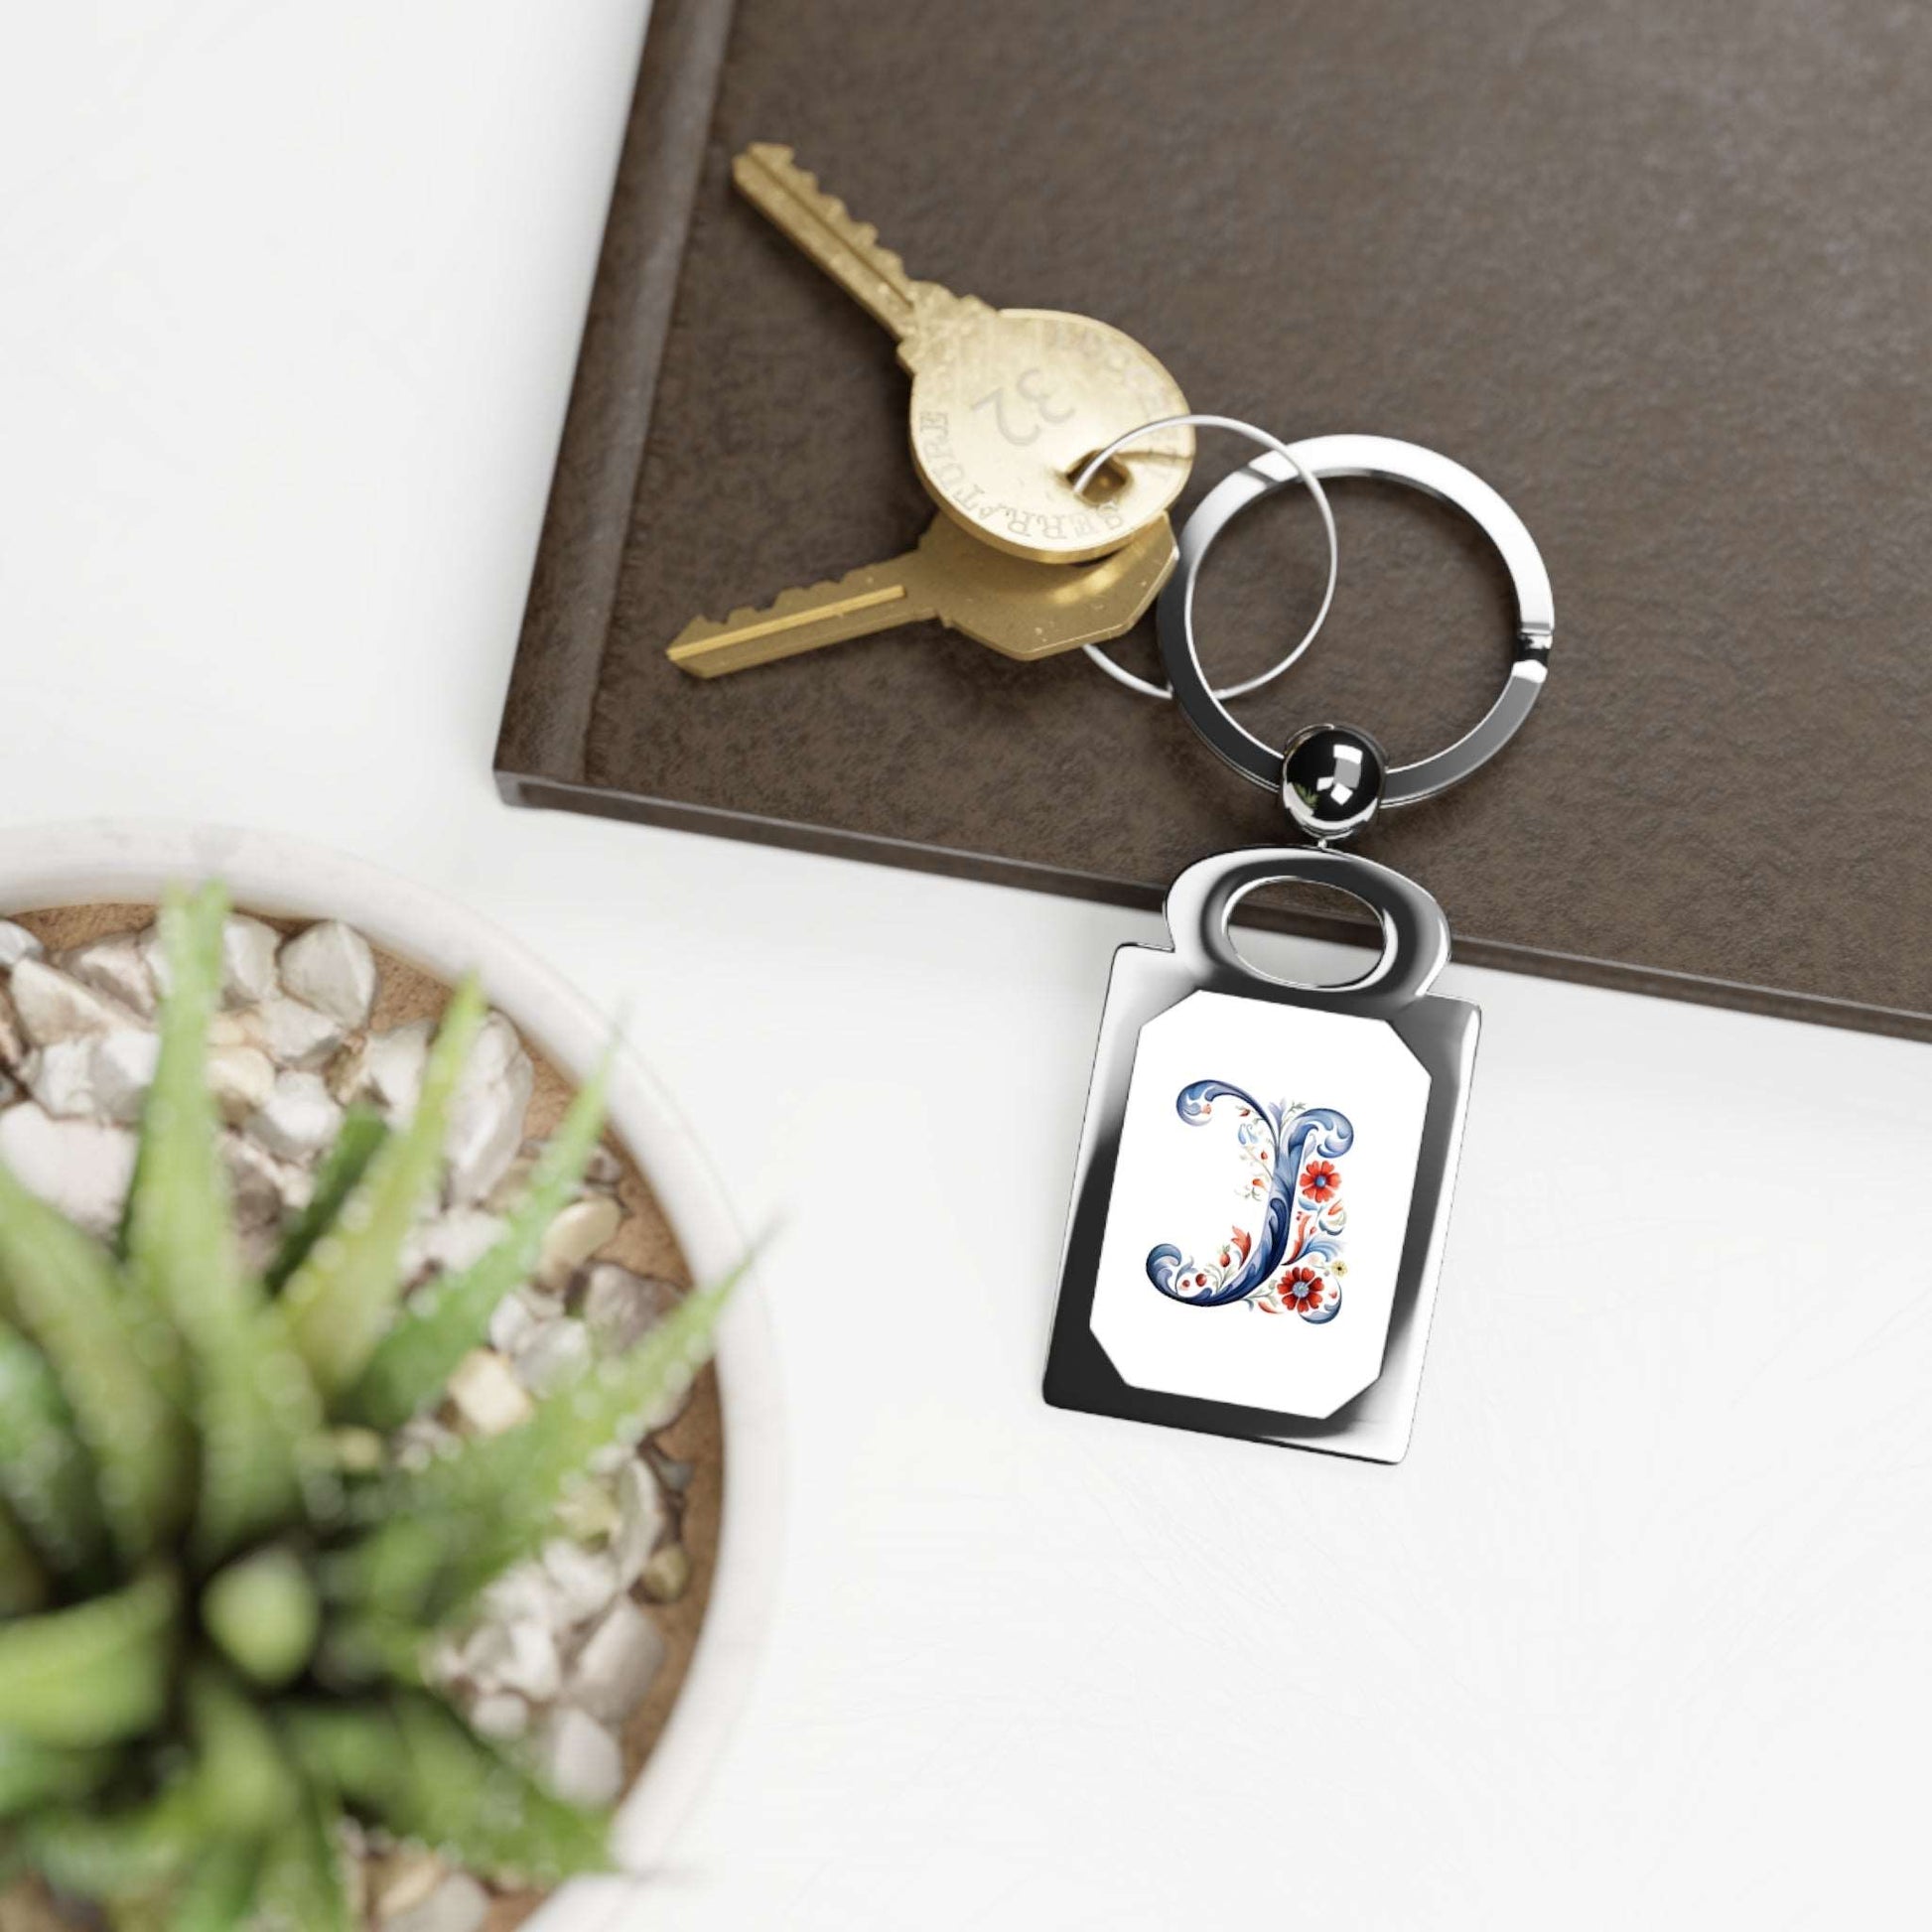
[(1384, 460), (1288, 469), (1415, 934)]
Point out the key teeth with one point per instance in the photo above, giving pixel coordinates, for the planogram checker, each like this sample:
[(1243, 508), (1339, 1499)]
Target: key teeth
[(830, 210), (702, 629), (775, 160)]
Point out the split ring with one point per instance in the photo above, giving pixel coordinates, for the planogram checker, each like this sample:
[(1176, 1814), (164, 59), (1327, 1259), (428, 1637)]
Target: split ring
[(1383, 460), (1287, 467)]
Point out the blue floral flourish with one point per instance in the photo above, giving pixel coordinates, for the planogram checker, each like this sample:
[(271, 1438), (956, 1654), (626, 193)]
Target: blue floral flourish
[(1295, 1228)]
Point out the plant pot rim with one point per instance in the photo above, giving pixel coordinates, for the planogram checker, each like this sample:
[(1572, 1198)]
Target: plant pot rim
[(97, 861)]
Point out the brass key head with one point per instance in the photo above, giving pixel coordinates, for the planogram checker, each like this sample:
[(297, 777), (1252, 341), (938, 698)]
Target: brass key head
[(1009, 403), (1028, 611)]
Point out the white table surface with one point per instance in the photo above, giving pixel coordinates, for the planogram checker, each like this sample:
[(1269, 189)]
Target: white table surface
[(291, 301)]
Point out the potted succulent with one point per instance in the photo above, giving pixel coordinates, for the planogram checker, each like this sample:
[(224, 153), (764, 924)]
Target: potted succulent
[(263, 1547)]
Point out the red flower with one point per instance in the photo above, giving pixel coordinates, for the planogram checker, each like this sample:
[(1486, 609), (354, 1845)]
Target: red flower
[(1302, 1289), (1320, 1182)]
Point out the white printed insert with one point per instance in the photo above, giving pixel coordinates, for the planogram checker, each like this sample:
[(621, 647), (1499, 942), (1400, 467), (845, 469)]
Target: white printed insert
[(1267, 1160)]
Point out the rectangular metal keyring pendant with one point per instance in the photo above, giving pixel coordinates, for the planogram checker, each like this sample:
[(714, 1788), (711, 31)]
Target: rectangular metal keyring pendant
[(1263, 1181)]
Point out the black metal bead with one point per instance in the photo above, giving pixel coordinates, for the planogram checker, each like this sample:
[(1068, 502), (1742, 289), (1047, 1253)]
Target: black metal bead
[(1332, 779)]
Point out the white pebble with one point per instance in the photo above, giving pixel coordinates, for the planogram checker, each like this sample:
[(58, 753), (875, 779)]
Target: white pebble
[(531, 1666), (62, 1078), (53, 1005), (17, 943), (585, 1580), (387, 1068), (295, 1034), (451, 1240), (240, 1079), (332, 968), (525, 1589), (122, 1067), (501, 1714), (621, 1308), (13, 1044), (518, 1314), (487, 1114), (299, 1118), (582, 1762), (248, 950), (486, 1395), (403, 1880), (117, 968), (483, 1655), (514, 1181), (642, 1519), (552, 1354), (421, 1440), (76, 1166), (574, 1236), (457, 1904), (587, 1511), (148, 942), (263, 1188), (96, 1076), (227, 1028), (667, 1576), (617, 1664)]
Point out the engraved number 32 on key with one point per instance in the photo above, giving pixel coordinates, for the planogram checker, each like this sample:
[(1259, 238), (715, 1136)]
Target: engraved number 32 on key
[(1035, 395)]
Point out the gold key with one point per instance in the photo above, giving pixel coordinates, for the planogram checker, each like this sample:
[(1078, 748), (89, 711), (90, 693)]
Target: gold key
[(1021, 609), (1006, 403)]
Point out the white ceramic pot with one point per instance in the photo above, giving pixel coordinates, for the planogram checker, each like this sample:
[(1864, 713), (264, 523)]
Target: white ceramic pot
[(90, 862)]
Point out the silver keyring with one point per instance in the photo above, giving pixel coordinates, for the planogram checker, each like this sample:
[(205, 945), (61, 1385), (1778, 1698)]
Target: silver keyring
[(1288, 469), (1384, 460)]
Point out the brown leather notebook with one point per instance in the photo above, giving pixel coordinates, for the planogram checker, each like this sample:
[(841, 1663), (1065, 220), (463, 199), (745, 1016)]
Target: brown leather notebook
[(1661, 274)]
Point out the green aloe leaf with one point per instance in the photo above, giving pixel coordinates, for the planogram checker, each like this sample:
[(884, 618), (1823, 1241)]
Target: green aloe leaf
[(300, 1885), (497, 1819), (145, 1910), (263, 1613), (364, 1648), (46, 1478), (413, 1765), (343, 1297), (181, 1244), (262, 1427), (357, 1141), (343, 1746), (91, 1673), (31, 1775), (115, 1854), (24, 1583), (444, 1319), (61, 1287), (243, 1780), (217, 1891), (252, 1399), (447, 1529)]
